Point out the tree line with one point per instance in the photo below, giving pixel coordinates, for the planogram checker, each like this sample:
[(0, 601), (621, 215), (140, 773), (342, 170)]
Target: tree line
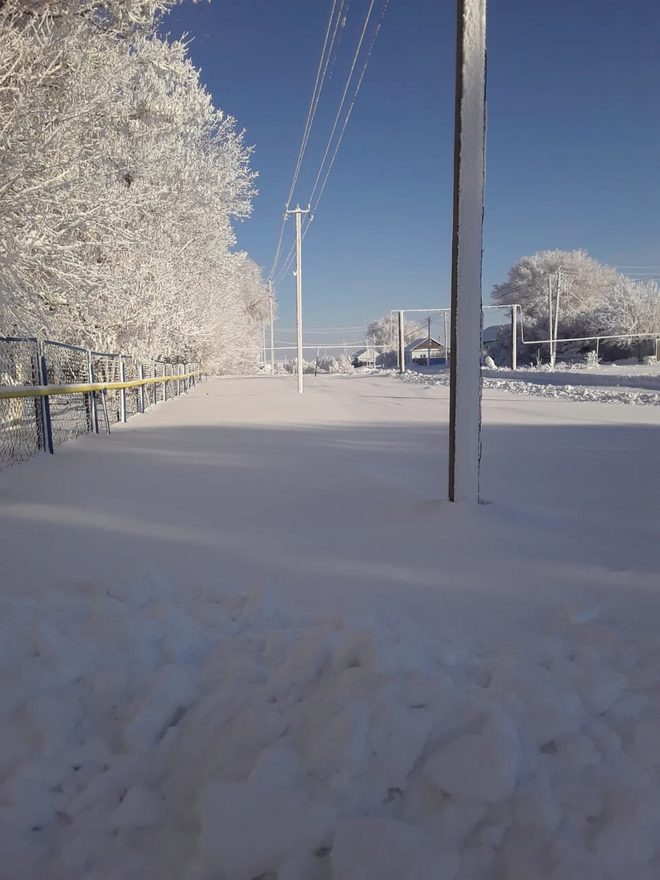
[(563, 294), (119, 184), (566, 294)]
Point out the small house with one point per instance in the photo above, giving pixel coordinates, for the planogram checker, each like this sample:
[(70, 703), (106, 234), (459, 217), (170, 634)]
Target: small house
[(365, 357), (426, 352)]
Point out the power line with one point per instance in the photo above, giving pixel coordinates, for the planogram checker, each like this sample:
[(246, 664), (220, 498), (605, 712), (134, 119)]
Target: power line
[(286, 265), (311, 112), (351, 106), (316, 93), (343, 97), (322, 329)]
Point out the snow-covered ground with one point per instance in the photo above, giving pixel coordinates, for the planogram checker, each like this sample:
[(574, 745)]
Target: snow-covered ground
[(637, 385), (245, 637)]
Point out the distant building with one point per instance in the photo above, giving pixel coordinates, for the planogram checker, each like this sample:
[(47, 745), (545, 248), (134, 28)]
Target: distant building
[(418, 351), (365, 357)]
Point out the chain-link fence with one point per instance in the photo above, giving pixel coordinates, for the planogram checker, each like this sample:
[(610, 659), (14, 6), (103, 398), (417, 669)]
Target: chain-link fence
[(70, 414), (21, 418), (130, 372), (105, 368), (40, 409)]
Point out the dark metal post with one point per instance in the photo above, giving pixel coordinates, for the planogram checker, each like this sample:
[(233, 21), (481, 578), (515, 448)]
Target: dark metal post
[(45, 404)]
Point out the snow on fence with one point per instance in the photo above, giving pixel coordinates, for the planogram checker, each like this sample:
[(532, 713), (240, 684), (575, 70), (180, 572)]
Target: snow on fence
[(51, 392)]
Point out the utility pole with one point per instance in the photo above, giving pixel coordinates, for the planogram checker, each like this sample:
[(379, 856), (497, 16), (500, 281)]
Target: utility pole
[(428, 352), (550, 322), (556, 333), (298, 211), (402, 350), (272, 330), (514, 339), (467, 241)]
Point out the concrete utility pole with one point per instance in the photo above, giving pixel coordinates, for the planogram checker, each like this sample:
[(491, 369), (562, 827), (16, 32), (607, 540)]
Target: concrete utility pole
[(402, 349), (556, 330), (428, 342), (514, 339), (550, 322), (469, 162), (298, 211), (272, 329)]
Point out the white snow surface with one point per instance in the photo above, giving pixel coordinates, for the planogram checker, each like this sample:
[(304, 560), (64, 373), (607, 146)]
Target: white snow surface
[(245, 638), (601, 385)]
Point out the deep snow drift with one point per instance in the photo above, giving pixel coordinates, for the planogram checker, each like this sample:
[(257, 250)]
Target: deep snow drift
[(239, 648)]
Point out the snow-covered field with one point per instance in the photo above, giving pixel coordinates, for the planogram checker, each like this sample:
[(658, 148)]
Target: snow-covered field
[(637, 385), (245, 637)]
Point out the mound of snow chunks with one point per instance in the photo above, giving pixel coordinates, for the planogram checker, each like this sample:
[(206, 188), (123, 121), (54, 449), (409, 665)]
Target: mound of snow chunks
[(148, 734)]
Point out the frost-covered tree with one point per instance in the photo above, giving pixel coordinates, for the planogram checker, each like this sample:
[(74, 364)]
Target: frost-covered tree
[(631, 307), (119, 181), (384, 331), (572, 283)]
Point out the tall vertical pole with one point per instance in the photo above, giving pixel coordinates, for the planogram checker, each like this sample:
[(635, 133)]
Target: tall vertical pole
[(428, 352), (402, 350), (92, 394), (299, 336), (299, 329), (444, 318), (45, 400), (272, 328), (144, 395), (556, 330), (550, 322), (514, 338), (469, 164), (122, 391)]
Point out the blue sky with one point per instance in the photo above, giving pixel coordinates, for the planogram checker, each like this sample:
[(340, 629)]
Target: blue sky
[(573, 140)]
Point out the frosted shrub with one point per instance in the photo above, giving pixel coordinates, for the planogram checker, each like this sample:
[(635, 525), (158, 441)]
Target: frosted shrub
[(591, 359)]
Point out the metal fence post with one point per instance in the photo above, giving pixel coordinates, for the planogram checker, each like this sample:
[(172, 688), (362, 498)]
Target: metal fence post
[(122, 391), (92, 395), (143, 402), (45, 402)]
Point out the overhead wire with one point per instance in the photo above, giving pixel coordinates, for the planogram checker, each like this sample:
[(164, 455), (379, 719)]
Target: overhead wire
[(290, 257), (320, 176), (343, 97), (321, 72), (351, 105), (316, 92)]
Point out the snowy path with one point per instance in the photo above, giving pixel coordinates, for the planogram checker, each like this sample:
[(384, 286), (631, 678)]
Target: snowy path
[(245, 638), (337, 495)]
